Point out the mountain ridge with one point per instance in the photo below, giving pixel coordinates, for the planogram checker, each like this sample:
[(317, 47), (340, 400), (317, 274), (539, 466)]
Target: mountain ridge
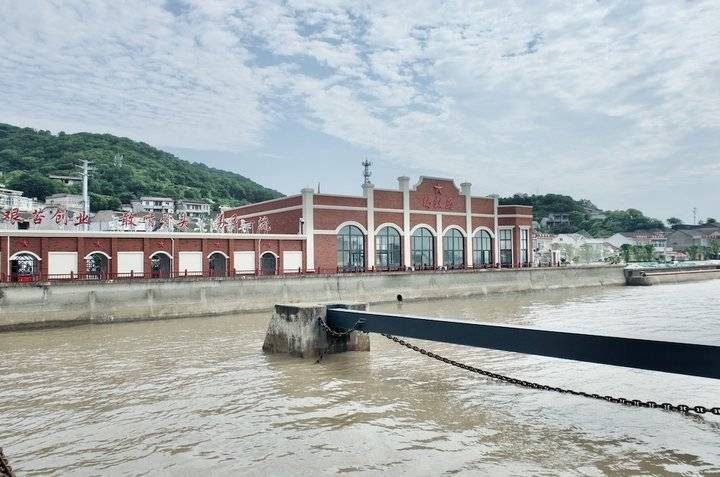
[(124, 170)]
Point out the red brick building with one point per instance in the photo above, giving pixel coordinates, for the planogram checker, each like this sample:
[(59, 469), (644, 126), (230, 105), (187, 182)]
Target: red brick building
[(432, 225), (31, 255)]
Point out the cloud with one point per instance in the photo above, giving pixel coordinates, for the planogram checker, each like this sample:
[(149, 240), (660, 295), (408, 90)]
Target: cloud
[(527, 96)]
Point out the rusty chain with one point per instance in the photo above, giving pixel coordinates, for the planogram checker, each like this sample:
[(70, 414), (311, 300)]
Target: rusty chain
[(5, 469), (683, 408), (340, 333)]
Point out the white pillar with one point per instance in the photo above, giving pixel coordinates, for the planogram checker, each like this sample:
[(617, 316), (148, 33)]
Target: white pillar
[(404, 183), (496, 244), (309, 228), (439, 241), (465, 190), (369, 193)]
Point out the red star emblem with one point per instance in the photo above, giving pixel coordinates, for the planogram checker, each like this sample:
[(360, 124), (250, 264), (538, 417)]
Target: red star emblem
[(98, 245), (438, 189), (24, 243), (161, 244), (218, 245)]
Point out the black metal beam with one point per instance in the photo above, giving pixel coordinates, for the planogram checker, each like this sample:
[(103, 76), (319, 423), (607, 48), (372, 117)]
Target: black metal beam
[(670, 357)]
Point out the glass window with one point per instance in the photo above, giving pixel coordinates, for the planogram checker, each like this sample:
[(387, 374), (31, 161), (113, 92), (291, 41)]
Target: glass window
[(524, 247), (422, 245), (387, 249), (482, 249), (454, 249), (505, 236), (350, 249)]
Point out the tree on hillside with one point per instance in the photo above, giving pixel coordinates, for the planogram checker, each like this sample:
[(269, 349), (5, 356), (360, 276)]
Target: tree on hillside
[(710, 220), (714, 249), (31, 185), (695, 252), (144, 170), (673, 222), (625, 251)]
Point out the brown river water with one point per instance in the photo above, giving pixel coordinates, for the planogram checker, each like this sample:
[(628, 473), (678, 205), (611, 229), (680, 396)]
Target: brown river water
[(198, 397)]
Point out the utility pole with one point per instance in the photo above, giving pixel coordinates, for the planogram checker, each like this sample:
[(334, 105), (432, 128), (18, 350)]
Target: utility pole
[(86, 169)]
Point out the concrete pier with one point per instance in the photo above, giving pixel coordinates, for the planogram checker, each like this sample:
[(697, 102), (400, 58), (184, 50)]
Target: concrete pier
[(296, 329)]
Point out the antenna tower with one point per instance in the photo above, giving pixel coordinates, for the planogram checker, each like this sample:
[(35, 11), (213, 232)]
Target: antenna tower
[(366, 172)]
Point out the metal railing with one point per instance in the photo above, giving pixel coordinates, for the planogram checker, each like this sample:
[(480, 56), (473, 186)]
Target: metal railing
[(32, 278)]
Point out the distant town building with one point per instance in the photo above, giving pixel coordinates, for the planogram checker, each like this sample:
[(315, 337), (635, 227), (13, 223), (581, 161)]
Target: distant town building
[(618, 240), (688, 236), (555, 220), (543, 252), (14, 199), (656, 238), (160, 205), (193, 208), (66, 180), (71, 202)]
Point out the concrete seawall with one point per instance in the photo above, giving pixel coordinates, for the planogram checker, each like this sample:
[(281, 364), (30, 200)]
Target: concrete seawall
[(101, 302)]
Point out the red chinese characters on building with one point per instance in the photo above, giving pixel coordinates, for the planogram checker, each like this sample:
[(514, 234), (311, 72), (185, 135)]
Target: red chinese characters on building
[(437, 201), (166, 221), (60, 216), (183, 223), (220, 223), (37, 217), (263, 225), (82, 219), (11, 215), (150, 221), (127, 220)]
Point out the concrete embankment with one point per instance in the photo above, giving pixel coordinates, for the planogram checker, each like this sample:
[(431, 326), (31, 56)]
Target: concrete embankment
[(64, 304)]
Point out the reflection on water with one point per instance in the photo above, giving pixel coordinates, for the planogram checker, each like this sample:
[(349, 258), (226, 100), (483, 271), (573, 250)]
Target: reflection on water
[(184, 396)]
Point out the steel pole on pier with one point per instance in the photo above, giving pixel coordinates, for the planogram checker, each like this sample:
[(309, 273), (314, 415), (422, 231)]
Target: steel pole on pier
[(666, 356)]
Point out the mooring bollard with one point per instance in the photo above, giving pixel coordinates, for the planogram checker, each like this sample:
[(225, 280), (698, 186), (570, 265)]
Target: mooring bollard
[(297, 329)]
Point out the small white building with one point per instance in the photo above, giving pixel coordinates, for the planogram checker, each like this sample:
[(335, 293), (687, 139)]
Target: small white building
[(618, 240), (14, 199), (160, 205), (66, 180), (70, 202), (193, 208)]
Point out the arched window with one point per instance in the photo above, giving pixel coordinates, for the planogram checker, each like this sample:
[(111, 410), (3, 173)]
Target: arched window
[(160, 265), (268, 264), (217, 264), (422, 245), (506, 253), (482, 249), (24, 267), (454, 249), (97, 266), (387, 249), (350, 249)]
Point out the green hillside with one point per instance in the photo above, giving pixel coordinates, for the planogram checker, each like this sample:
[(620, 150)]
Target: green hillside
[(124, 170), (584, 215)]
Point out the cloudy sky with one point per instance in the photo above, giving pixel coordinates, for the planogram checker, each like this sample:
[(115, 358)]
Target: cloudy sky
[(617, 102)]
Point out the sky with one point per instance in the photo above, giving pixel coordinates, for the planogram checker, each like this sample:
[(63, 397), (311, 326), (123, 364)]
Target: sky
[(614, 101)]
